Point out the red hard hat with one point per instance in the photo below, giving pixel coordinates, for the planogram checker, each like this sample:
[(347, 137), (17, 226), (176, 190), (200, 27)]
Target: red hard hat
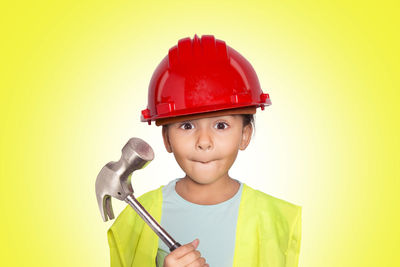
[(202, 75)]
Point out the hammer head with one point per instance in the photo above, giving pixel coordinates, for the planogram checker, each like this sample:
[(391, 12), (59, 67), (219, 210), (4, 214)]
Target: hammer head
[(114, 179)]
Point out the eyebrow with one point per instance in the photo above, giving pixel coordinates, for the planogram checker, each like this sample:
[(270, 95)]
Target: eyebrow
[(212, 118)]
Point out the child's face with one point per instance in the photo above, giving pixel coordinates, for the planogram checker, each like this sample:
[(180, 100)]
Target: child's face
[(206, 148)]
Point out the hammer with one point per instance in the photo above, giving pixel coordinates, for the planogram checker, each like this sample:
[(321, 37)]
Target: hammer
[(114, 180)]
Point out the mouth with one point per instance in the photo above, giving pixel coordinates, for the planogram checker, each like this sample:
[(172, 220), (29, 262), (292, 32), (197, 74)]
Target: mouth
[(203, 162)]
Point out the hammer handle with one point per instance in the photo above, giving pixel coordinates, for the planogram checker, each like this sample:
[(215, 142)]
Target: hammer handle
[(165, 237)]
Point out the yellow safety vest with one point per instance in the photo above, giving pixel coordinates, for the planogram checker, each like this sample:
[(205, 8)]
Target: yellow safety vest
[(268, 232)]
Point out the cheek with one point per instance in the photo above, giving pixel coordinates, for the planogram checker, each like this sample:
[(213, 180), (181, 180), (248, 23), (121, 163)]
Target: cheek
[(229, 146), (231, 154), (180, 147)]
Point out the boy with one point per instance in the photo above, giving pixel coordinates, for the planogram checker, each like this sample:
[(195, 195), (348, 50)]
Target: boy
[(204, 95)]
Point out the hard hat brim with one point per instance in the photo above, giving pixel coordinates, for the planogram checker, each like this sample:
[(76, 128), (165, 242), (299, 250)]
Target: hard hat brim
[(234, 111)]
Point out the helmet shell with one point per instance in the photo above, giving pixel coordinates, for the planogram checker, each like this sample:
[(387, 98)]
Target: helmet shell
[(199, 76)]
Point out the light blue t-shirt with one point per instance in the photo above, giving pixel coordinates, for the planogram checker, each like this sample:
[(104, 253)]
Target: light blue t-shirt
[(213, 225)]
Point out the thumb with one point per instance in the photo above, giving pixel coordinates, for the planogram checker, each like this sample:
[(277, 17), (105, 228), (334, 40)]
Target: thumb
[(195, 243)]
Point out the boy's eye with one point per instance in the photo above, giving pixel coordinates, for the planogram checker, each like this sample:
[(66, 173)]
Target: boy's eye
[(221, 125), (186, 126)]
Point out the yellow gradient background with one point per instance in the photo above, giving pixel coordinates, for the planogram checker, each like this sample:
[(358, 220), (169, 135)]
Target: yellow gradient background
[(74, 78)]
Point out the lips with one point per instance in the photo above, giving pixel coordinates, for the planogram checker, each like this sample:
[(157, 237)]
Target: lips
[(203, 161)]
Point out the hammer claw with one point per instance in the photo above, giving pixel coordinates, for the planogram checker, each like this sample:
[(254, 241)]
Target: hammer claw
[(108, 210)]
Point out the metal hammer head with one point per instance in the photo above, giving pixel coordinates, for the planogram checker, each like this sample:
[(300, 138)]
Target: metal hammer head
[(114, 179)]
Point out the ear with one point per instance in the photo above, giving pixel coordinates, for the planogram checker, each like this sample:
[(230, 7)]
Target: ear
[(166, 139), (246, 136)]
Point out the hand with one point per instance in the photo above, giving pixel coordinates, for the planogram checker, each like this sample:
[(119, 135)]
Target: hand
[(186, 256)]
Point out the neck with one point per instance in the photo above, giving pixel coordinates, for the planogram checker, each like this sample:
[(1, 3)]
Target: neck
[(207, 194)]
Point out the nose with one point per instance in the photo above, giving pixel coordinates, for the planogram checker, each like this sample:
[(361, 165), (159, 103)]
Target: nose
[(204, 140)]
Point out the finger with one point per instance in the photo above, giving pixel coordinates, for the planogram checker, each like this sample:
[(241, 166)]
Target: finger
[(190, 258), (185, 249), (200, 262), (195, 243)]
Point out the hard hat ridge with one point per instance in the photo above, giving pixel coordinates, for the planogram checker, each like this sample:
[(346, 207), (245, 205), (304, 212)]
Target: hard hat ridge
[(197, 52)]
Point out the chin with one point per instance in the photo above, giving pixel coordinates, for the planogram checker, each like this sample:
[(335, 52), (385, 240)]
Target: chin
[(204, 179)]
